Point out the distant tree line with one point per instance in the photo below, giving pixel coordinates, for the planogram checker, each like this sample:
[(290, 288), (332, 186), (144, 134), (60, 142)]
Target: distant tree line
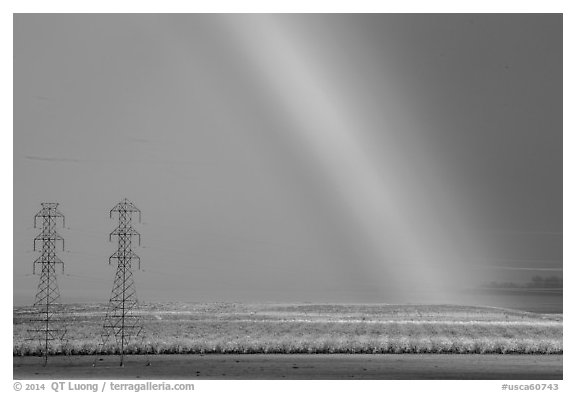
[(536, 282)]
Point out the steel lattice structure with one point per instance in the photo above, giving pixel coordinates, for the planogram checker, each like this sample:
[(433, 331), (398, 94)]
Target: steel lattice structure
[(121, 321), (47, 326)]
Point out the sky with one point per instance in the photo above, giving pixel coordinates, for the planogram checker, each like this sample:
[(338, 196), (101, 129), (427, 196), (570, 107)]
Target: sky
[(321, 158)]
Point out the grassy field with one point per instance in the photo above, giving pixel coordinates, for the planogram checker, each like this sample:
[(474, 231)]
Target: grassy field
[(307, 328)]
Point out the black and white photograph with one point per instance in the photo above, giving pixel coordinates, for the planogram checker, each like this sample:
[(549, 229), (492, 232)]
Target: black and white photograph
[(288, 196)]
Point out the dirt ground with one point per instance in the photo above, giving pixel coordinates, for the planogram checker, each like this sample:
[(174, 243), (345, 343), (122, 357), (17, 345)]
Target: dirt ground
[(333, 366)]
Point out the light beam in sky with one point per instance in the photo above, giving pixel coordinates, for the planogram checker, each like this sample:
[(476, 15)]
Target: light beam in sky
[(388, 212)]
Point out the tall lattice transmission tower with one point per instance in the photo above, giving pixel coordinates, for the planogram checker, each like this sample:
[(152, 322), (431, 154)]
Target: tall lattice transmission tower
[(47, 326), (121, 321)]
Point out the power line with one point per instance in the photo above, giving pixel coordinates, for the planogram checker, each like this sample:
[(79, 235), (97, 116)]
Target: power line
[(121, 322), (46, 323)]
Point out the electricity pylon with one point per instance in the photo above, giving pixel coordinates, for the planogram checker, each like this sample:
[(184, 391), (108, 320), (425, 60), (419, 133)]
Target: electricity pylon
[(45, 320), (121, 321)]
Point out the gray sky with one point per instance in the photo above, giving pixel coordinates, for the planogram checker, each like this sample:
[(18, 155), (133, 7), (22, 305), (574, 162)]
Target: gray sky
[(355, 158)]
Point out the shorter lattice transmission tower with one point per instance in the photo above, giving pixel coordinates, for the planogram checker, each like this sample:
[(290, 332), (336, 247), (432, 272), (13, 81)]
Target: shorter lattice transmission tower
[(47, 325), (121, 321)]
